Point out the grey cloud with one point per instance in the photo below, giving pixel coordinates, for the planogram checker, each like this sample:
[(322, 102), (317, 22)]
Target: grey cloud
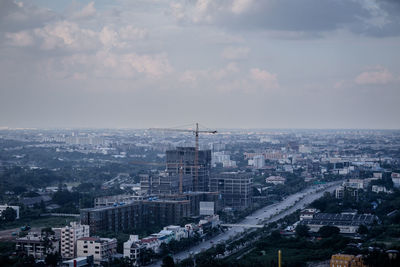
[(16, 17), (379, 18)]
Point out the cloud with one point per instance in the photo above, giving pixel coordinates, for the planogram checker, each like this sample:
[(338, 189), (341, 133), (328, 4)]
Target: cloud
[(109, 65), (22, 38), (366, 17), (267, 79), (235, 52), (87, 11), (378, 76), (18, 16), (239, 6)]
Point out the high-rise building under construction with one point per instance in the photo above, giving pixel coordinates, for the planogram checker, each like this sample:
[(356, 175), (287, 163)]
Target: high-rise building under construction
[(181, 161)]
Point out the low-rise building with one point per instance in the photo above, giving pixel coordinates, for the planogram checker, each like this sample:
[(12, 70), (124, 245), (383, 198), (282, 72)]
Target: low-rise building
[(102, 249), (37, 245), (347, 223), (275, 180), (69, 236), (343, 260)]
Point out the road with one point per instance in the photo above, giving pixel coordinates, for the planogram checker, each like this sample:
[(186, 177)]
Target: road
[(264, 215)]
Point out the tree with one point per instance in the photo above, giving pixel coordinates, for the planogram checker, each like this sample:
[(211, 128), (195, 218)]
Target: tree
[(328, 231), (168, 261), (362, 230), (220, 249), (302, 230), (52, 259), (9, 214)]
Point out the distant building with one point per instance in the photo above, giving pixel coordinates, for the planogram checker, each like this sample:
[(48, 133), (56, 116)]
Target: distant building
[(259, 162), (347, 223), (37, 245), (380, 189), (275, 180), (164, 212), (79, 262), (343, 260), (235, 188), (165, 184), (4, 207), (102, 249), (69, 236), (184, 157), (396, 179), (114, 218)]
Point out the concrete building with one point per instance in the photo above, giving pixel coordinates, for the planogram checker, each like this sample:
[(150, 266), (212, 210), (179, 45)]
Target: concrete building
[(36, 244), (114, 218), (4, 207), (69, 236), (165, 183), (347, 223), (235, 188), (259, 162), (133, 247), (343, 260), (164, 212), (275, 180), (102, 249), (184, 157)]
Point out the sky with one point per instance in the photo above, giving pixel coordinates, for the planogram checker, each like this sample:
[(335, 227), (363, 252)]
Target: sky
[(222, 63)]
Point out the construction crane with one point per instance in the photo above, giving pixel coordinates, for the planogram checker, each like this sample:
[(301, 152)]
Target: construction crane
[(196, 133)]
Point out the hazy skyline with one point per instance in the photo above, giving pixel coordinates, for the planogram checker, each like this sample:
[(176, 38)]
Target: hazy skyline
[(223, 63)]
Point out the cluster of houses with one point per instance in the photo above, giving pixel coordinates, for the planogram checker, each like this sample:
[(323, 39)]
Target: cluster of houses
[(134, 246), (78, 248)]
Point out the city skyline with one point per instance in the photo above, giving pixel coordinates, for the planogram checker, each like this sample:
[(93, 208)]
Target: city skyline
[(235, 64)]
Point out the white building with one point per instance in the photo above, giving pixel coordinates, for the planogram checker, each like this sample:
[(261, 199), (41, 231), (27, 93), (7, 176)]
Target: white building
[(102, 249), (179, 232), (69, 236), (4, 207), (259, 162), (379, 189), (275, 180), (132, 247), (396, 179), (354, 183)]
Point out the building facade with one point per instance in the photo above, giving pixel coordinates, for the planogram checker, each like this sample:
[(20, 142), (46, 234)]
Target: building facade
[(235, 188), (102, 249), (37, 245), (69, 236), (115, 218), (184, 157)]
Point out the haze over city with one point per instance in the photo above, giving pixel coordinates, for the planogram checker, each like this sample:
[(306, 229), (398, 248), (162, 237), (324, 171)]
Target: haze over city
[(227, 64)]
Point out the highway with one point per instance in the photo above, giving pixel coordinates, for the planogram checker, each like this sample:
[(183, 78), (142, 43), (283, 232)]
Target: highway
[(263, 215)]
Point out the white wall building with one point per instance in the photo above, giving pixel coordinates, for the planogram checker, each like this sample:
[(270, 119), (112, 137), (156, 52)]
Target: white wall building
[(275, 180), (69, 236), (259, 162), (102, 249)]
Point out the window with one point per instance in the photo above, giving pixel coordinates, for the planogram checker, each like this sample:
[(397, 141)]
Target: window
[(85, 251)]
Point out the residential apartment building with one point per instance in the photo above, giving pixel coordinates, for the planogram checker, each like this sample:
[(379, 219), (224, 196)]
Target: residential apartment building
[(69, 236), (102, 249), (37, 245), (115, 218)]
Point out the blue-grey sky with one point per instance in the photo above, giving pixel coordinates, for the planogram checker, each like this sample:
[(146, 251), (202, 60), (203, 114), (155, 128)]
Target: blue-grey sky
[(224, 63)]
